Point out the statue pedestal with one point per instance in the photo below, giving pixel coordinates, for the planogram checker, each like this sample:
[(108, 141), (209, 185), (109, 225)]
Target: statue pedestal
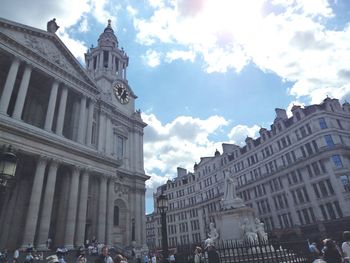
[(230, 222), (232, 203)]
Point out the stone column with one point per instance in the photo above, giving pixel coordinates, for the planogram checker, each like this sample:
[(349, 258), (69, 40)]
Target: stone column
[(143, 213), (120, 69), (62, 111), (22, 93), (138, 220), (101, 60), (124, 70), (72, 209), (9, 84), (81, 221), (110, 64), (51, 106), (82, 118), (109, 137), (47, 206), (34, 203), (102, 207), (90, 121), (110, 212), (113, 63), (102, 132)]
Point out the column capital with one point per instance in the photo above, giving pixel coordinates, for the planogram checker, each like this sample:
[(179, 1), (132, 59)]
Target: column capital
[(16, 58), (56, 81), (93, 100), (76, 169), (43, 158), (29, 64)]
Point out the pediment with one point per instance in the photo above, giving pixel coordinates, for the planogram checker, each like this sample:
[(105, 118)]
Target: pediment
[(46, 45)]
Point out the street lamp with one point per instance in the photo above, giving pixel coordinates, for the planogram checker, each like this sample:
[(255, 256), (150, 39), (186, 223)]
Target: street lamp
[(162, 205), (8, 164)]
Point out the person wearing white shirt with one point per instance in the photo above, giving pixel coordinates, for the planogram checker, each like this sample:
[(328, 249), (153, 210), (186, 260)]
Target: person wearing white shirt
[(345, 247)]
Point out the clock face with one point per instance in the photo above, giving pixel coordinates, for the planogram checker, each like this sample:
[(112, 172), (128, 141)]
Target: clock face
[(122, 93)]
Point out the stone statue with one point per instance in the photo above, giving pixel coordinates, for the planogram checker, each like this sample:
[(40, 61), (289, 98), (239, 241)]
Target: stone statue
[(260, 230), (249, 231), (212, 236), (230, 189), (52, 26), (230, 199)]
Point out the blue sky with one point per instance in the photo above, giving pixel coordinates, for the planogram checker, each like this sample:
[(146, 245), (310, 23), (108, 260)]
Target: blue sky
[(209, 71)]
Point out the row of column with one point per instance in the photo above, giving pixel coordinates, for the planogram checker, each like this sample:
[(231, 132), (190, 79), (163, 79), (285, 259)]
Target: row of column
[(21, 97), (76, 210), (114, 64)]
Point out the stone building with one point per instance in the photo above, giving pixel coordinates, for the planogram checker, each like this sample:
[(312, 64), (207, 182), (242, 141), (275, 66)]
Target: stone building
[(78, 139), (296, 176)]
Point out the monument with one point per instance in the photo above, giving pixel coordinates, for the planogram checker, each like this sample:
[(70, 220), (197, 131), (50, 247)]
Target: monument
[(237, 221)]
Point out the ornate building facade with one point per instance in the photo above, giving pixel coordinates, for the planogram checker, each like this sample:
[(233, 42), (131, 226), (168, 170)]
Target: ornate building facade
[(78, 139), (296, 176)]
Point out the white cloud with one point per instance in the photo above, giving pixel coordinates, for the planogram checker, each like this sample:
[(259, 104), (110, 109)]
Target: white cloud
[(294, 42), (84, 26), (179, 54), (239, 133), (152, 58), (67, 13), (178, 143), (77, 47)]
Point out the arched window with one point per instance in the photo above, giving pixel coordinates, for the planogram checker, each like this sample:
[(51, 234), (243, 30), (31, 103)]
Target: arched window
[(116, 215)]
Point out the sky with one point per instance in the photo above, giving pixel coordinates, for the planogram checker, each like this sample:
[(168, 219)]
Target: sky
[(208, 72)]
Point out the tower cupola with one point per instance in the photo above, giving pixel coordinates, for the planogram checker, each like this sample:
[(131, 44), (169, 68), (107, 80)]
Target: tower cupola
[(108, 38)]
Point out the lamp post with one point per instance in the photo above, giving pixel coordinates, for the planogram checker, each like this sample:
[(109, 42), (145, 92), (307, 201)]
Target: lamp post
[(162, 205), (8, 164)]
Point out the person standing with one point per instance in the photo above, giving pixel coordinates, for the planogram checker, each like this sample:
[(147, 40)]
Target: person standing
[(331, 253), (104, 256), (15, 256), (197, 255), (345, 247)]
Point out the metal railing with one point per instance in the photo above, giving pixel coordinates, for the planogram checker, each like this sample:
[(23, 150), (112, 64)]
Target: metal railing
[(247, 252)]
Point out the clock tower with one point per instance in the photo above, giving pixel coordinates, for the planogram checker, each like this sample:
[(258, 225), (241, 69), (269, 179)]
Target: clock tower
[(119, 135), (107, 65)]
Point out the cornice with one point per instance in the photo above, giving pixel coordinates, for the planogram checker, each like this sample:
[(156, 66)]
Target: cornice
[(32, 133), (26, 52)]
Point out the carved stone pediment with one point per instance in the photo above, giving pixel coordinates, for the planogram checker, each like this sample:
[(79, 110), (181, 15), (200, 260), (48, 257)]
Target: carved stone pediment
[(49, 47)]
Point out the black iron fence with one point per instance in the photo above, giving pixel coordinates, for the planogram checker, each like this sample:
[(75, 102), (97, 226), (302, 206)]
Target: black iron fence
[(247, 252)]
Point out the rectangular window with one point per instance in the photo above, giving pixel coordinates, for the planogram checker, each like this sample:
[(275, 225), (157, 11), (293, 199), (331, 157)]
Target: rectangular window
[(337, 161), (317, 193), (308, 148), (339, 124), (344, 179), (330, 210), (329, 141), (322, 122), (324, 214), (337, 207), (323, 188), (120, 147)]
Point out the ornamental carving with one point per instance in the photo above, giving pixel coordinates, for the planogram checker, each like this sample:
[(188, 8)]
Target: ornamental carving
[(44, 47), (119, 188)]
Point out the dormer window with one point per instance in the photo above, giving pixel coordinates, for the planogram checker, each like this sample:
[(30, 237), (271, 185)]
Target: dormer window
[(297, 115)]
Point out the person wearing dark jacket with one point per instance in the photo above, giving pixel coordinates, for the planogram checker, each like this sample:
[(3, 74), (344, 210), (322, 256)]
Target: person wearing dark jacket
[(331, 253), (104, 256)]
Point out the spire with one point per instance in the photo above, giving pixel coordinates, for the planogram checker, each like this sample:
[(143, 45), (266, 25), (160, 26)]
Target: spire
[(108, 38)]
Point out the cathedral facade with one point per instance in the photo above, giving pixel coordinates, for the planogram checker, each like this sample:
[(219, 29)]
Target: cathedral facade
[(78, 140)]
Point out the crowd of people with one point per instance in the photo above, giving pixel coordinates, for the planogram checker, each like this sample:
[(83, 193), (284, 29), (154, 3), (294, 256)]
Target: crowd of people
[(327, 250)]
